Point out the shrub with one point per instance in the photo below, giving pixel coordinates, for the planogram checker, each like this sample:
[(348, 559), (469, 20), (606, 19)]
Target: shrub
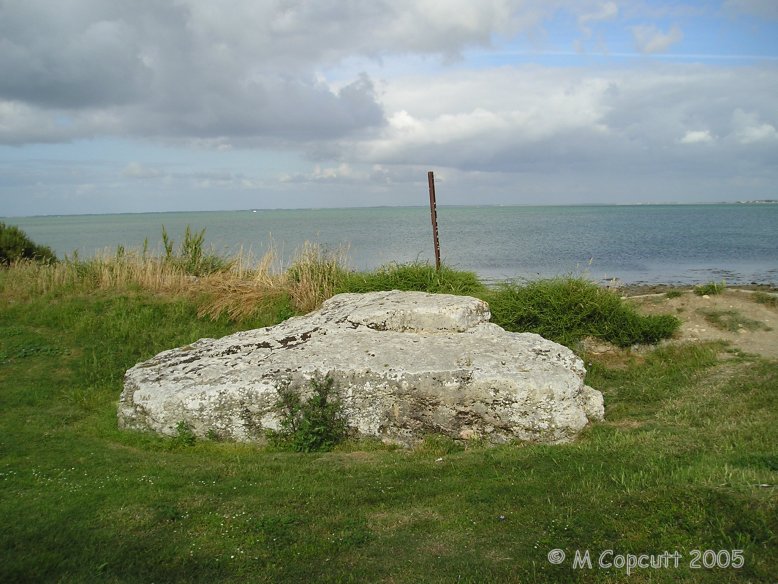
[(566, 310), (710, 288), (316, 424), (16, 245)]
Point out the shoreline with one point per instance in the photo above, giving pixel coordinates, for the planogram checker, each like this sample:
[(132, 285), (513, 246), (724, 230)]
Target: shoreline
[(645, 289)]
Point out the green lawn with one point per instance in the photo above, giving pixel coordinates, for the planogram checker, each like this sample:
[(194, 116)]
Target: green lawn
[(687, 460)]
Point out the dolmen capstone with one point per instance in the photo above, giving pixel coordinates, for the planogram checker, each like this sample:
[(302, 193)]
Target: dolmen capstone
[(404, 365)]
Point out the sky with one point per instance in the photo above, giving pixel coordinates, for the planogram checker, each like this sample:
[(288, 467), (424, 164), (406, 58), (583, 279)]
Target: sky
[(111, 106)]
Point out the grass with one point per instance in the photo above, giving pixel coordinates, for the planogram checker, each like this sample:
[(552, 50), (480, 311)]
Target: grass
[(414, 276), (567, 310), (732, 320), (686, 459), (770, 300), (679, 464), (244, 288), (710, 289)]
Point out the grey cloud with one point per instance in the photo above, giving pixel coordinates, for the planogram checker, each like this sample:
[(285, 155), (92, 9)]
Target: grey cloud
[(69, 54), (206, 70)]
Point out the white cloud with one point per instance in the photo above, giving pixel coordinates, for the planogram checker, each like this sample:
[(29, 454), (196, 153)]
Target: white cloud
[(749, 129), (478, 114), (697, 137), (343, 173), (137, 170), (649, 39), (601, 11), (521, 119)]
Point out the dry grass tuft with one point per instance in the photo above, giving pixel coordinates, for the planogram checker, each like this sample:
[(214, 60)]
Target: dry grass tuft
[(315, 275), (242, 286)]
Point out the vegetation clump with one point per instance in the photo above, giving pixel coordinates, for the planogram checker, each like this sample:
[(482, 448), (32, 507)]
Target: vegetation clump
[(311, 425), (770, 300), (710, 289), (242, 288), (192, 257), (15, 245), (732, 321), (419, 276), (184, 435), (566, 310)]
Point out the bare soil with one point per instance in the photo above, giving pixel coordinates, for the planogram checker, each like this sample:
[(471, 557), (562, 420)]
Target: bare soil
[(749, 326)]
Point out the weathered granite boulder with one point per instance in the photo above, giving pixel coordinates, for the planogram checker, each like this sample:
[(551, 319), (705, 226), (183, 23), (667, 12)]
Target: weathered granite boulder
[(405, 364)]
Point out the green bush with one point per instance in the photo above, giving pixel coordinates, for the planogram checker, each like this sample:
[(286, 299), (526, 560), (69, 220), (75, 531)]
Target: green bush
[(711, 288), (566, 310), (316, 424), (16, 245)]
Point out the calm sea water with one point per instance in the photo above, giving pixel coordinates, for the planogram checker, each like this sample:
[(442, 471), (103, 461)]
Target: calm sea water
[(652, 243)]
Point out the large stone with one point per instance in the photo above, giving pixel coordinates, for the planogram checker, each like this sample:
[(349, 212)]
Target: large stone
[(405, 364)]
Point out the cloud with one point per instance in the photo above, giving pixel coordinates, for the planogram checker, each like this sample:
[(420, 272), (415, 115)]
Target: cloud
[(600, 12), (697, 137), (137, 170), (247, 74), (749, 129), (516, 120), (272, 94), (649, 39), (191, 69)]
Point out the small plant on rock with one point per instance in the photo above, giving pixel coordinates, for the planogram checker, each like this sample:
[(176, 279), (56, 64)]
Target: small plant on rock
[(316, 424), (184, 435)]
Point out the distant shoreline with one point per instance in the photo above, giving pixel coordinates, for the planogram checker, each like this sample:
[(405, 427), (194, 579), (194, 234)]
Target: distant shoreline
[(645, 289), (368, 207)]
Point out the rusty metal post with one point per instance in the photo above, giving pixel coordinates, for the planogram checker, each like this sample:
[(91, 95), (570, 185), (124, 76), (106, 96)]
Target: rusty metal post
[(434, 215)]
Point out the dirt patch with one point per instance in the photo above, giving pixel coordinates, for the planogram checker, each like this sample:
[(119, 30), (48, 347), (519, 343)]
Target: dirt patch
[(733, 316)]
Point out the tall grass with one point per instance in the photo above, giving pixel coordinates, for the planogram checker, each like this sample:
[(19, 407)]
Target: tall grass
[(243, 287), (239, 287), (105, 271), (315, 274)]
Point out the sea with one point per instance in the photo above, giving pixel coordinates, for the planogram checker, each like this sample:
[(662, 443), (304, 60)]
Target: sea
[(630, 244)]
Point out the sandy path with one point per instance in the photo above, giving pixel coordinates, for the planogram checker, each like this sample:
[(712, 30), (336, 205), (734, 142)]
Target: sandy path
[(755, 324)]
